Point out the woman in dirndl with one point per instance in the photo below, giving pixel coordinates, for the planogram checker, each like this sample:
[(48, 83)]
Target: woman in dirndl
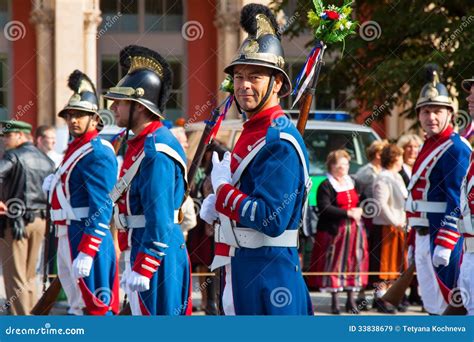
[(340, 247)]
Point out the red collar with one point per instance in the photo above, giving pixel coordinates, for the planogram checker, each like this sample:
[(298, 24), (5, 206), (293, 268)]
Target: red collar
[(253, 130), (430, 144), (79, 141), (264, 118), (440, 137), (135, 145)]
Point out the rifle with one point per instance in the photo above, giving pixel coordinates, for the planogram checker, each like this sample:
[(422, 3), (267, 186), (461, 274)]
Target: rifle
[(307, 99), (395, 293), (50, 294), (47, 300)]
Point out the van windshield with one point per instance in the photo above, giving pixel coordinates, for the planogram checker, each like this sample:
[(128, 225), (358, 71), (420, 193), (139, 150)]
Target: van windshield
[(320, 142)]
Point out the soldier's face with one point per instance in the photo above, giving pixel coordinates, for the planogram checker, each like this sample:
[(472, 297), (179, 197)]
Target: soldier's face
[(251, 84), (80, 122), (470, 101), (434, 119), (121, 109)]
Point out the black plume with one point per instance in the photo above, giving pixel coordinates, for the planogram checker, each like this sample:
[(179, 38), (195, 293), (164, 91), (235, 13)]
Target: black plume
[(75, 80), (430, 70), (248, 19)]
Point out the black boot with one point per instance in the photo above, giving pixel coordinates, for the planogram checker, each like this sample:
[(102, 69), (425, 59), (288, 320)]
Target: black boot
[(211, 306), (334, 304)]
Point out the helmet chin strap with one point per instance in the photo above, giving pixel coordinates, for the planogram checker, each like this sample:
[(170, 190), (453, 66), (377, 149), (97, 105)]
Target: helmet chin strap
[(130, 119), (85, 129)]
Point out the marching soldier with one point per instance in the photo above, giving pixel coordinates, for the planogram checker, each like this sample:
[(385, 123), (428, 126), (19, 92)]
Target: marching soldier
[(466, 224), (22, 214), (260, 188), (81, 209), (434, 193), (151, 189)]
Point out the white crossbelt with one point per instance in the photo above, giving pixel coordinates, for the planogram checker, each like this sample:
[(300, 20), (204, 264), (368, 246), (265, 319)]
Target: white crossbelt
[(63, 214), (250, 238), (468, 244), (138, 221), (425, 206)]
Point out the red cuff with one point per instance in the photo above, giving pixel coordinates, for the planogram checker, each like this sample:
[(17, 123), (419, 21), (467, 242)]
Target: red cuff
[(447, 238), (89, 244), (229, 200), (146, 265)]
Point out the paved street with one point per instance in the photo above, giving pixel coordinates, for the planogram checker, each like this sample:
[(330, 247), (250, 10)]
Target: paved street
[(321, 302)]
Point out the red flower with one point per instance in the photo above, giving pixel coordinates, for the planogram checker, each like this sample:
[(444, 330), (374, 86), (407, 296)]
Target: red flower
[(332, 15)]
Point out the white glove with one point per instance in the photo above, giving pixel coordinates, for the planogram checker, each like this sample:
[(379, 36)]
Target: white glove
[(220, 173), (137, 282), (208, 209), (441, 256), (123, 280), (47, 183), (81, 266)]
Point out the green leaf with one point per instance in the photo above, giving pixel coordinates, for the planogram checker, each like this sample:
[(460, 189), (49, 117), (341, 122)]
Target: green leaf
[(318, 5)]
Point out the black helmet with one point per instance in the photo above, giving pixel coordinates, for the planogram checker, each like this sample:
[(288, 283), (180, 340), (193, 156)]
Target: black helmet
[(84, 97), (434, 92), (262, 46), (148, 79)]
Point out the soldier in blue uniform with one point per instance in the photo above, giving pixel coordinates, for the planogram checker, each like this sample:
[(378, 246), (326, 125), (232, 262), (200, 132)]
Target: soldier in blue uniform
[(151, 189), (260, 188), (434, 197), (81, 209)]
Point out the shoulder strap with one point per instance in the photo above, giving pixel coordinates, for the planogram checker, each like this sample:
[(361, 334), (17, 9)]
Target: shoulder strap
[(124, 182)]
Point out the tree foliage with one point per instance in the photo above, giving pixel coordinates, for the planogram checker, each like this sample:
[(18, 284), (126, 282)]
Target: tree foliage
[(384, 63)]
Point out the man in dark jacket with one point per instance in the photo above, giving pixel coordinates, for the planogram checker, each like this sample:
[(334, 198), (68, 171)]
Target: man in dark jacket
[(22, 214)]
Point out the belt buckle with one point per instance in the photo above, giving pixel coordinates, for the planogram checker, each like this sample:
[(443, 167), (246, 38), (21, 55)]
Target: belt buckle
[(414, 206)]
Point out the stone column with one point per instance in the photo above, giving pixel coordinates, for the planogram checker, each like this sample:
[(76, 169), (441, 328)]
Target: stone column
[(92, 20), (42, 17)]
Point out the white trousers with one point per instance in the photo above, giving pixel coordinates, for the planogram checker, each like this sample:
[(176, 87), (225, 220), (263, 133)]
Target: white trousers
[(69, 284), (433, 299), (466, 282)]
